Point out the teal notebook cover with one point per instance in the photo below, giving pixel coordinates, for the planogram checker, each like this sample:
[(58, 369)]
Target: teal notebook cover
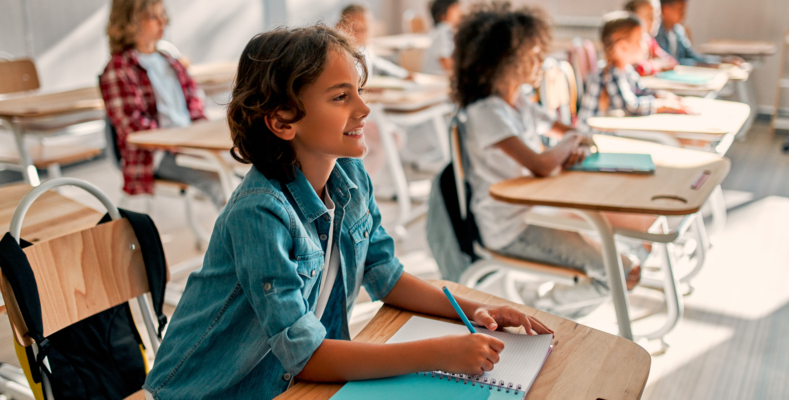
[(691, 79), (617, 162), (419, 386)]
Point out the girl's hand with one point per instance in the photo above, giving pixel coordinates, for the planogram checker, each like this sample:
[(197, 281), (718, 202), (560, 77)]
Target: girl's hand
[(470, 354), (576, 156), (498, 317)]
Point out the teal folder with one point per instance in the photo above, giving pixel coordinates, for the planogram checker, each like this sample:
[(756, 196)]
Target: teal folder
[(690, 79), (424, 386), (617, 162)]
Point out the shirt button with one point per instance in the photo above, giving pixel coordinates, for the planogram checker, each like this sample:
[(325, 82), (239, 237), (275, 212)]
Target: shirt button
[(365, 233), (312, 273), (267, 286), (286, 377), (323, 236), (327, 218)]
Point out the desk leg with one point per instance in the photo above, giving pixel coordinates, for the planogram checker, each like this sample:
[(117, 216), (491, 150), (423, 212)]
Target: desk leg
[(28, 169), (613, 267), (746, 94), (396, 169)]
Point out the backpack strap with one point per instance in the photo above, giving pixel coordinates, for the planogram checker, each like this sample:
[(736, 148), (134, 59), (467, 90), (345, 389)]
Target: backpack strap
[(153, 257), (17, 270)]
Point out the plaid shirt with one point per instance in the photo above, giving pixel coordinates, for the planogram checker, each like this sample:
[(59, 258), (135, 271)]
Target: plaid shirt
[(131, 106), (623, 91)]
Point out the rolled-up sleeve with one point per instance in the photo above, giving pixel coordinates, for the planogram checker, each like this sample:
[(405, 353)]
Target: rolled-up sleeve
[(382, 269), (269, 278)]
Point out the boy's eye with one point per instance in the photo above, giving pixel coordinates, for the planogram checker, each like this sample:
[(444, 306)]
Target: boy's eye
[(341, 97)]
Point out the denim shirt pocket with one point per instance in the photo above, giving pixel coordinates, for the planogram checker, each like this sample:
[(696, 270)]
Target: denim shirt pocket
[(360, 233), (309, 268)]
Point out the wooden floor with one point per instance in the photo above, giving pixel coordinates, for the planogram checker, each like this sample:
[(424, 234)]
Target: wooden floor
[(733, 342)]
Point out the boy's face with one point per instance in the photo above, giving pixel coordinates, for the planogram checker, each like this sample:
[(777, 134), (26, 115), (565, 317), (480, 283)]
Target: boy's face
[(357, 26), (646, 13), (674, 13), (152, 23), (335, 114), (453, 15), (631, 47)]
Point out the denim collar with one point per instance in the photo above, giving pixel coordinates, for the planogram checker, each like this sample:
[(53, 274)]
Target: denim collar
[(311, 206)]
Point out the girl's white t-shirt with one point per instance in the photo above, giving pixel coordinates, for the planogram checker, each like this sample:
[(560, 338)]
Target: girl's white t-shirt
[(331, 262), (490, 121)]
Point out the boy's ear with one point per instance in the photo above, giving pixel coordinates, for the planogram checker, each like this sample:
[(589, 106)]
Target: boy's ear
[(281, 129)]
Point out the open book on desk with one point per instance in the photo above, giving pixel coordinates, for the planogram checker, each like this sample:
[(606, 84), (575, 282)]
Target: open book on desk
[(511, 378)]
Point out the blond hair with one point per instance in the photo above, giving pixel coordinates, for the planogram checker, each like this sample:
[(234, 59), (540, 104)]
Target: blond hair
[(124, 22)]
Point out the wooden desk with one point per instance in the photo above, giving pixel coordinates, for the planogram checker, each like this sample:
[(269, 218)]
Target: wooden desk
[(709, 89), (585, 363), (683, 181), (715, 119), (744, 48), (206, 140), (401, 42), (48, 112), (215, 77)]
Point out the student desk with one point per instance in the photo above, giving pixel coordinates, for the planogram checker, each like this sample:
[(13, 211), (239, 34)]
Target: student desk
[(717, 121), (708, 90), (51, 215), (682, 182), (742, 48), (403, 41), (48, 113), (215, 77), (585, 363)]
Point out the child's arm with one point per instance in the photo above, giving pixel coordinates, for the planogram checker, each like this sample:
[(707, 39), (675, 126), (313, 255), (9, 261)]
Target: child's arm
[(542, 164)]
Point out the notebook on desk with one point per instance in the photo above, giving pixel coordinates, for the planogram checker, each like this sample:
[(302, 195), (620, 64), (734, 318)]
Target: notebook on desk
[(511, 378), (688, 78), (617, 162)]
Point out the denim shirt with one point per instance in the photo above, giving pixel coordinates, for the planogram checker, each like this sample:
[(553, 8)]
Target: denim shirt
[(246, 323), (684, 52)]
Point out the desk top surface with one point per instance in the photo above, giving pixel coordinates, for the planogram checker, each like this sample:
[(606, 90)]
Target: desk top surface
[(51, 215), (715, 118), (585, 363), (737, 47), (682, 182), (209, 135), (402, 42), (215, 76), (50, 104), (715, 84)]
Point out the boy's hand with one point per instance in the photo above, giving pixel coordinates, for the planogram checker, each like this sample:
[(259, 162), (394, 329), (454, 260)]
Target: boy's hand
[(470, 354), (671, 106), (498, 317)]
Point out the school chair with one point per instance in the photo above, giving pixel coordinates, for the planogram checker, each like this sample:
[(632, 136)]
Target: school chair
[(557, 92), (663, 234), (185, 191), (413, 23), (68, 301), (20, 77)]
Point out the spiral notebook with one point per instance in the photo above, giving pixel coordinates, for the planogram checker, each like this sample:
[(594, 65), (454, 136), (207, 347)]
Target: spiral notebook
[(520, 362)]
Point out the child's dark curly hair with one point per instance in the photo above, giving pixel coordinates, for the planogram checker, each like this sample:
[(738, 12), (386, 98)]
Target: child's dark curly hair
[(273, 69), (490, 41)]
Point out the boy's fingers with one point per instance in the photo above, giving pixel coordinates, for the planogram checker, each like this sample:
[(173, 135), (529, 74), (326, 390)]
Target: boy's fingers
[(487, 320)]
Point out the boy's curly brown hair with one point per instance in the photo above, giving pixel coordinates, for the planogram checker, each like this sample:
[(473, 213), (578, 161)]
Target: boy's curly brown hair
[(124, 22), (490, 41), (274, 68)]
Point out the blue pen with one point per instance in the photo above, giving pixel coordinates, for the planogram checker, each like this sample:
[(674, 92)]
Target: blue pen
[(459, 311)]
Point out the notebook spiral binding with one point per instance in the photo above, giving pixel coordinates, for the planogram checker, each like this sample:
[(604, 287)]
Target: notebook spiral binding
[(483, 381)]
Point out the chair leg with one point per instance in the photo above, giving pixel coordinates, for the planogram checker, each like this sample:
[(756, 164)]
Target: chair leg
[(674, 302), (718, 209), (200, 235)]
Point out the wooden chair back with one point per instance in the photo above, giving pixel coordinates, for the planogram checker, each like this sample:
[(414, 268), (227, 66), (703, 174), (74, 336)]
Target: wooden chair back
[(79, 275), (457, 167), (413, 23), (18, 76)]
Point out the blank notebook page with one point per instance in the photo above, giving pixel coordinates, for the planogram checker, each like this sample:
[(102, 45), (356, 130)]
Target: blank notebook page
[(519, 363)]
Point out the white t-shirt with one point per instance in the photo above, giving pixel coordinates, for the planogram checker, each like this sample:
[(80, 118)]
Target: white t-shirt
[(331, 262), (442, 44), (170, 100), (490, 121)]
